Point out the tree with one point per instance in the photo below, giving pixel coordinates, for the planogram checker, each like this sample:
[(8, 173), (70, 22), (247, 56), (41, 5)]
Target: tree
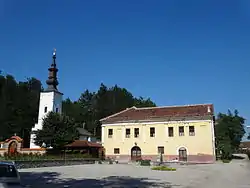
[(58, 130), (92, 106), (18, 107), (229, 131)]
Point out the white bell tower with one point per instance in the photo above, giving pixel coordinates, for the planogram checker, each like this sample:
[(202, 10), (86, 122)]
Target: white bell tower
[(50, 99)]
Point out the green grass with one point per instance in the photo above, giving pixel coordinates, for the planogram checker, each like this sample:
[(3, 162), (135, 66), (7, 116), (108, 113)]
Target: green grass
[(163, 168)]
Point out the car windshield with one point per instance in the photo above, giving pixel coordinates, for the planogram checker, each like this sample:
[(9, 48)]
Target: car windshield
[(7, 171)]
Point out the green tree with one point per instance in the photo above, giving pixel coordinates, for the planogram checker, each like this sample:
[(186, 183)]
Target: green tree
[(141, 102), (58, 130), (18, 107), (92, 106), (229, 130)]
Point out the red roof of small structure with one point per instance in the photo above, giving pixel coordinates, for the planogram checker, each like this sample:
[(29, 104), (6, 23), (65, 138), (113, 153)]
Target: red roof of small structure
[(245, 144), (83, 143), (134, 113), (17, 138)]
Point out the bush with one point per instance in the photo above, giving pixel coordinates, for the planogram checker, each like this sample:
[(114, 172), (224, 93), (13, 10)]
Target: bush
[(145, 162), (163, 168), (248, 154), (38, 156), (226, 160)]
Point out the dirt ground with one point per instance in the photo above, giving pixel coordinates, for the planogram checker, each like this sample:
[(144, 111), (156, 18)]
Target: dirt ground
[(232, 175)]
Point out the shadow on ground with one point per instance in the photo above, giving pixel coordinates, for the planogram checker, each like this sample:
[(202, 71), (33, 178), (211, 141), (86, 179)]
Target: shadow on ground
[(52, 179)]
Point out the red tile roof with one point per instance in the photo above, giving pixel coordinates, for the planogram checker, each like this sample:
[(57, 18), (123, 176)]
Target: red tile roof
[(245, 144), (17, 138), (134, 113), (83, 143)]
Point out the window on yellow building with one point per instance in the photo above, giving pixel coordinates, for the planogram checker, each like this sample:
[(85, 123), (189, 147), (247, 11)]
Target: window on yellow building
[(152, 132), (191, 131), (110, 133), (136, 132), (170, 131), (160, 150), (116, 150), (181, 131), (127, 133)]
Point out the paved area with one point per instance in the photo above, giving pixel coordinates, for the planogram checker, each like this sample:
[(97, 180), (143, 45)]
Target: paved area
[(233, 175)]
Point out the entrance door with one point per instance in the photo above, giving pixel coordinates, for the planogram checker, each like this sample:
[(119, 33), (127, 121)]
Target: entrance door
[(135, 153), (182, 154)]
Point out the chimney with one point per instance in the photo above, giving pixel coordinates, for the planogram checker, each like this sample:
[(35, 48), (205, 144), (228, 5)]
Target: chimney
[(208, 109)]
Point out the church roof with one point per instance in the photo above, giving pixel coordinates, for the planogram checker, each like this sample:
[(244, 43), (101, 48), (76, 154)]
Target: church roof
[(165, 112), (84, 132)]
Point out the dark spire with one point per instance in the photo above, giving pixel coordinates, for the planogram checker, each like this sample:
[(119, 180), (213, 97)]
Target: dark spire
[(52, 82)]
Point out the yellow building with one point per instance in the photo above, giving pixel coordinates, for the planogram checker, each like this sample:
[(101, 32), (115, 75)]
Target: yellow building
[(180, 133)]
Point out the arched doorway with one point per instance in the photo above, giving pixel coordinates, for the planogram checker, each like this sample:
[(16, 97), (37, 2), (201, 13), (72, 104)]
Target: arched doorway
[(135, 153), (182, 154), (12, 150)]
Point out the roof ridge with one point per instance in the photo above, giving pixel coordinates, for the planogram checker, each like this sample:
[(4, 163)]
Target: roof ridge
[(188, 105), (127, 109)]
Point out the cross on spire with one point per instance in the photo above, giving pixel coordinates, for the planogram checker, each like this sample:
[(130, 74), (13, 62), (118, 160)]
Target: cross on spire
[(52, 81)]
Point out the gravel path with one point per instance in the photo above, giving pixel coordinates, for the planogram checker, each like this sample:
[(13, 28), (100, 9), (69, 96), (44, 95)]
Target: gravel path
[(233, 175)]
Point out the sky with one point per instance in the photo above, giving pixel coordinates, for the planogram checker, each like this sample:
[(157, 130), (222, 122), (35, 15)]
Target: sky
[(174, 51)]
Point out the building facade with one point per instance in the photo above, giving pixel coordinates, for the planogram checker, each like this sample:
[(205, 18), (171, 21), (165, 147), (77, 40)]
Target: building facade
[(177, 133), (50, 99)]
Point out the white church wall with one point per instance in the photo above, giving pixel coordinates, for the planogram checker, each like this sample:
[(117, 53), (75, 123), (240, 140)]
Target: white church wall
[(49, 102), (58, 97)]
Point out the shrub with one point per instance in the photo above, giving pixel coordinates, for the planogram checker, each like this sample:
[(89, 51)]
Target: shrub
[(226, 160), (145, 162), (163, 168), (248, 154), (37, 156)]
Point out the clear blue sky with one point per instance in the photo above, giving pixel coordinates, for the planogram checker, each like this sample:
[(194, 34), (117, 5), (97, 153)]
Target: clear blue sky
[(173, 51)]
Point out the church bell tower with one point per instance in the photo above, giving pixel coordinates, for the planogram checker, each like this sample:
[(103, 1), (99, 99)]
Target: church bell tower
[(50, 99)]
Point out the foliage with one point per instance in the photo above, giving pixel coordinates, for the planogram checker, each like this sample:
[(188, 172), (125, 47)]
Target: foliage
[(18, 107), (92, 106), (145, 162), (229, 130), (226, 160), (163, 168), (58, 130), (248, 154)]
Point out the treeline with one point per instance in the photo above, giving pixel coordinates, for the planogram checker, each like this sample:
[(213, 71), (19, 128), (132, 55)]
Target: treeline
[(19, 104)]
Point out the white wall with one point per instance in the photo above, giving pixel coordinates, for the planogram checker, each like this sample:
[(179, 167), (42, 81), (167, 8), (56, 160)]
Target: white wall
[(50, 100)]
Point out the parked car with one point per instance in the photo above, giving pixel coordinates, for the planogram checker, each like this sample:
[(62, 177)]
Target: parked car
[(9, 175)]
